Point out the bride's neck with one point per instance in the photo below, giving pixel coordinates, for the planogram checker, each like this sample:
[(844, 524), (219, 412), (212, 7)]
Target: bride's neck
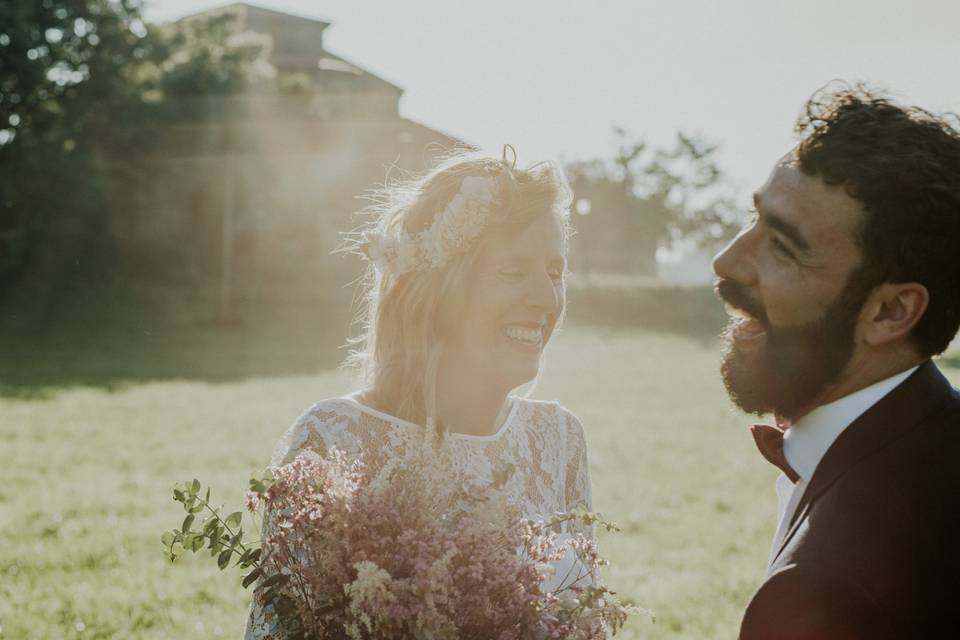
[(466, 407)]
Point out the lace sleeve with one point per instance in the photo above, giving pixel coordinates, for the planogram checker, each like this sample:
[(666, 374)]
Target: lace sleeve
[(324, 425), (577, 492), (320, 428)]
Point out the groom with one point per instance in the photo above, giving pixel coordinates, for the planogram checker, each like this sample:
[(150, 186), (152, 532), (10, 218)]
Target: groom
[(843, 286)]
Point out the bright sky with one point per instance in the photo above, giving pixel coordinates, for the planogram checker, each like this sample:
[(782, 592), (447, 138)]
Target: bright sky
[(551, 77)]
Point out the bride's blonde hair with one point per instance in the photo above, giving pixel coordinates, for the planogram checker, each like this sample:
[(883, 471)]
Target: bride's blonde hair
[(403, 315)]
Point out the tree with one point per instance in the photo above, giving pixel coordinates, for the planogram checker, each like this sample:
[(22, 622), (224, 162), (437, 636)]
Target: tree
[(59, 61), (79, 80), (643, 199)]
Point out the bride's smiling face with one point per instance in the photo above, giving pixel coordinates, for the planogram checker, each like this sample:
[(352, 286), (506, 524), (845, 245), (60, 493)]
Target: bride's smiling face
[(515, 296)]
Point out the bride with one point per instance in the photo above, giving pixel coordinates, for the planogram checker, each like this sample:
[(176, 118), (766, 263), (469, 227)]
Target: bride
[(465, 288)]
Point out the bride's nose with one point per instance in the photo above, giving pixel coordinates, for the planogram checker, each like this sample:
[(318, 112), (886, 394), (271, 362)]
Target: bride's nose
[(544, 294)]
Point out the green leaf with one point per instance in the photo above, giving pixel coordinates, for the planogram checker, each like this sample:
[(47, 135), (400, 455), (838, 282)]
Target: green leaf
[(251, 577), (277, 579), (197, 544), (207, 499), (187, 522), (216, 540), (210, 525), (197, 508), (224, 559), (270, 596), (233, 520), (263, 483), (195, 487), (249, 557), (167, 539), (178, 495)]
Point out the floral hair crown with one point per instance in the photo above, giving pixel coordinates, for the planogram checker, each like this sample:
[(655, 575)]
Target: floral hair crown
[(451, 233)]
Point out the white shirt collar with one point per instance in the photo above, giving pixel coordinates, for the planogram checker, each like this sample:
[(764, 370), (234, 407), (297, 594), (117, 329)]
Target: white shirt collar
[(807, 440)]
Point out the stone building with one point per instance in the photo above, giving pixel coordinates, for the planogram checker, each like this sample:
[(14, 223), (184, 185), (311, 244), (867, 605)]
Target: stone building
[(248, 193)]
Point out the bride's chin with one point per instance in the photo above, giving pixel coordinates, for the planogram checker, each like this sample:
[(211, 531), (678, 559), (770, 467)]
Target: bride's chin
[(519, 374)]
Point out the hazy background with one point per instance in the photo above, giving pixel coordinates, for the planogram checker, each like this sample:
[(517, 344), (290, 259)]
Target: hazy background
[(551, 77), (171, 189)]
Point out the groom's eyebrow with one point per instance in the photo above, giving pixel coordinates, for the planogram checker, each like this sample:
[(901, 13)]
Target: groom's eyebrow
[(778, 224)]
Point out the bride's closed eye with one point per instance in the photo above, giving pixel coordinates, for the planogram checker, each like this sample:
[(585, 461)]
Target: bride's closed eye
[(511, 274), (516, 275)]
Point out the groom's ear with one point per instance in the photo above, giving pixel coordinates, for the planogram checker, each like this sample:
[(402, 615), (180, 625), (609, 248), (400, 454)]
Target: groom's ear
[(891, 312)]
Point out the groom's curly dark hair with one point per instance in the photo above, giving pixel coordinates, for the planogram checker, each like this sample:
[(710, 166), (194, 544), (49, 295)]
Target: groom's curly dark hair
[(902, 164)]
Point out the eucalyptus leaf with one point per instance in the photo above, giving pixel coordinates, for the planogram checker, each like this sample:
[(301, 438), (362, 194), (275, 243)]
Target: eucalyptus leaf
[(195, 487), (249, 557), (251, 577), (277, 579), (224, 559), (210, 525), (187, 522), (233, 520)]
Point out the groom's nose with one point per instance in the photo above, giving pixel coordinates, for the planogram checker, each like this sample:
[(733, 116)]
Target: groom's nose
[(735, 262)]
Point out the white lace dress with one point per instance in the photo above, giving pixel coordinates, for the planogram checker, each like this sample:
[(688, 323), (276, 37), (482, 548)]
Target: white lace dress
[(543, 442)]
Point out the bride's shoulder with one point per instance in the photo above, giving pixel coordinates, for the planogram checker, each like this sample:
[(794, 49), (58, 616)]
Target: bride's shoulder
[(322, 425), (330, 410), (552, 414)]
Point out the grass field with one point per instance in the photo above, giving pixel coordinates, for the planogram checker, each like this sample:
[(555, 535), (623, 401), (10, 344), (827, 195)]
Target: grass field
[(87, 471)]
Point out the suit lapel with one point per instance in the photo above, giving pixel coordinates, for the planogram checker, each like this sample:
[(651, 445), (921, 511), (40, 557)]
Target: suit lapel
[(893, 416)]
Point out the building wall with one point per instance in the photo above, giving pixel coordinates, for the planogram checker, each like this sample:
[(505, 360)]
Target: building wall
[(261, 203)]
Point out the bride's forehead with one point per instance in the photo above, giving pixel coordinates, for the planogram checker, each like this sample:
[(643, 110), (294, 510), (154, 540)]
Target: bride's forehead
[(543, 236)]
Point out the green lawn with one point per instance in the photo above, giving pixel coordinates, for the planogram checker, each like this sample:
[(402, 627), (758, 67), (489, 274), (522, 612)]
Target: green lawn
[(87, 470)]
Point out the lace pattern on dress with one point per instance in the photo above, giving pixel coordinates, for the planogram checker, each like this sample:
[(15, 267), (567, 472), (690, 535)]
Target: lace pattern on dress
[(542, 441)]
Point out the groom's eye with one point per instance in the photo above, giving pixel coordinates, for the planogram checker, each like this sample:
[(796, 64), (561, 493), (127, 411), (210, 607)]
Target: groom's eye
[(780, 247)]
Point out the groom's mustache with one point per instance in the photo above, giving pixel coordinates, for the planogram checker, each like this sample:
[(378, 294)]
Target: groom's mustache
[(735, 295)]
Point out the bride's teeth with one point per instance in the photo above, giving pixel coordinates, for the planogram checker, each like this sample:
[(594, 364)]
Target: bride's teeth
[(524, 334)]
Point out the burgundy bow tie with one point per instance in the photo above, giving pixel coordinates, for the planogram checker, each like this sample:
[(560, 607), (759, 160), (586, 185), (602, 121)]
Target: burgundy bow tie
[(769, 441)]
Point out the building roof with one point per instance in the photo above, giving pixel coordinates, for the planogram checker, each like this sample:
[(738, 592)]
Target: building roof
[(297, 41)]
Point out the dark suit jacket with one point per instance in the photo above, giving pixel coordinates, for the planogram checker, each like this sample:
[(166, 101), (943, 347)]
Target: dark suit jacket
[(873, 550)]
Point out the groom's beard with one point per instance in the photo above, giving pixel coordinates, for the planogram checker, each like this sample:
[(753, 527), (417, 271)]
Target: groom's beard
[(796, 364)]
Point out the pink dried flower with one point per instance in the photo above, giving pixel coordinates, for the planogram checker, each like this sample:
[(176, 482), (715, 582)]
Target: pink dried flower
[(399, 554)]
